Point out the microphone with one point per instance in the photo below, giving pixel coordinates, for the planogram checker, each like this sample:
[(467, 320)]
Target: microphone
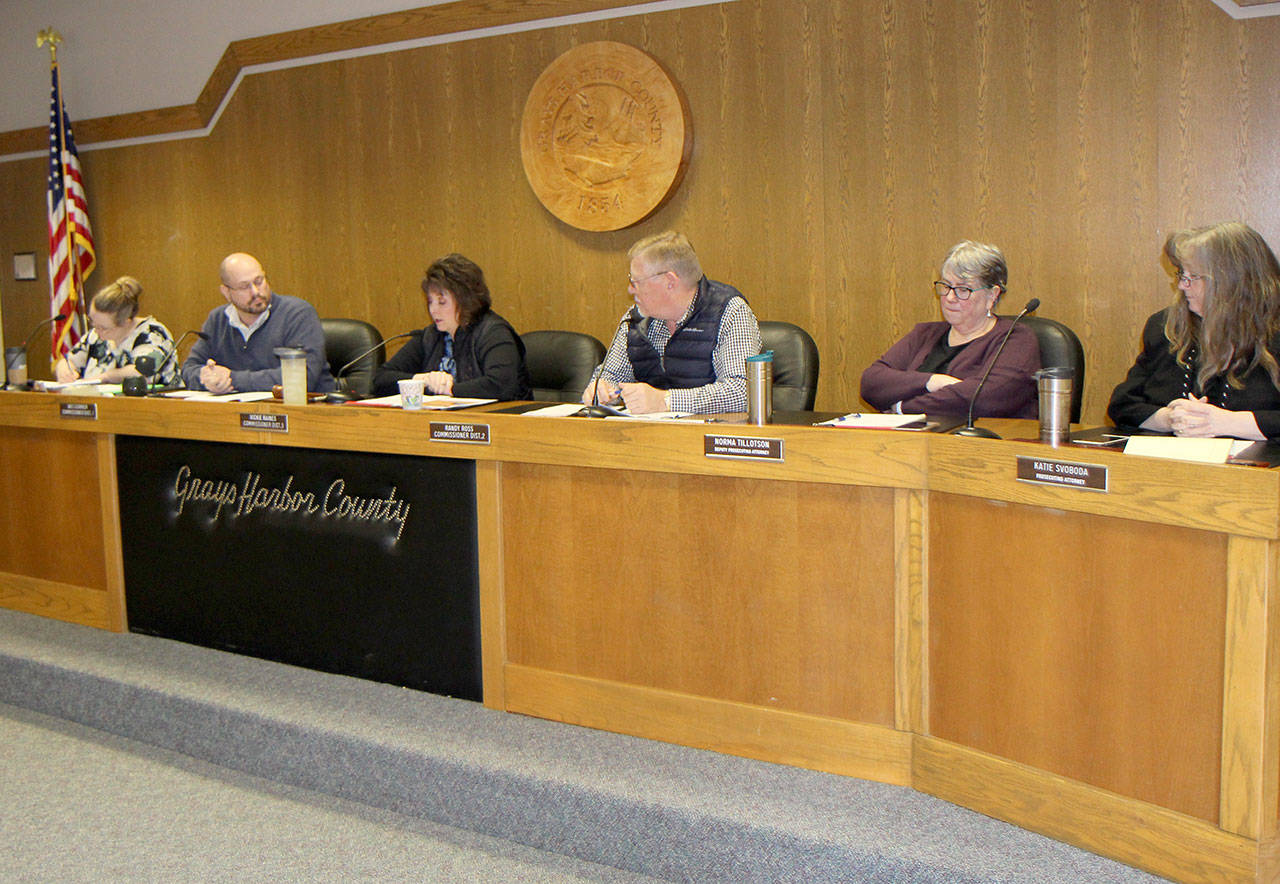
[(969, 429), (595, 409), (346, 395), (146, 364), (8, 365)]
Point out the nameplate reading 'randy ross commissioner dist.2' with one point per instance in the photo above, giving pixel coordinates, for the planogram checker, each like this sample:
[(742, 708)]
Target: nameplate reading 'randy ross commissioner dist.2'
[(471, 434)]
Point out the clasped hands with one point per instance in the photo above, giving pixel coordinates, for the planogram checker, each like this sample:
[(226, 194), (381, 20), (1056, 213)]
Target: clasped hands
[(1194, 417), (639, 398), (216, 378), (438, 383)]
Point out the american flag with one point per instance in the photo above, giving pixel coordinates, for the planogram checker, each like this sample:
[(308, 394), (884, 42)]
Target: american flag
[(71, 254)]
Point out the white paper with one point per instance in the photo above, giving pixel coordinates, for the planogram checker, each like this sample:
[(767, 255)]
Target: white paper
[(873, 421), (206, 396), (429, 403), (1180, 448), (562, 409)]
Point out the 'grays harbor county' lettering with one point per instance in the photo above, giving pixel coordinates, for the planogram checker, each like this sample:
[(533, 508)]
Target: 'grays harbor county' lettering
[(334, 506)]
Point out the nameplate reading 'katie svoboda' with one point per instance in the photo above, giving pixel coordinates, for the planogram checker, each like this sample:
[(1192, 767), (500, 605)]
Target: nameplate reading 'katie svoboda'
[(745, 447), (81, 410), (1089, 476), (271, 423), (470, 434)]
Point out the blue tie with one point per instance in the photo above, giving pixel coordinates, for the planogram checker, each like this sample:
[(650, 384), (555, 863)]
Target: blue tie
[(448, 363)]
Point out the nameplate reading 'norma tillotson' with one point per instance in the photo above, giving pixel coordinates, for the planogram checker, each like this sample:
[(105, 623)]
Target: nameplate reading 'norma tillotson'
[(745, 447), (271, 423), (469, 434), (80, 410), (1088, 476)]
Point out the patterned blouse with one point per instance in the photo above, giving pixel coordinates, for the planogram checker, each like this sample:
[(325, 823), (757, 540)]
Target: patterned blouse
[(94, 356)]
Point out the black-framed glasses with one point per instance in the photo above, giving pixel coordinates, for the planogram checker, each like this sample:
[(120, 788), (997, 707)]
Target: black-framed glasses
[(962, 292)]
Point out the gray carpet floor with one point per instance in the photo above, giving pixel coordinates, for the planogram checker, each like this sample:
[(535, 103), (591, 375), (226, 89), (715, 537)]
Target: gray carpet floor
[(169, 762), (80, 805)]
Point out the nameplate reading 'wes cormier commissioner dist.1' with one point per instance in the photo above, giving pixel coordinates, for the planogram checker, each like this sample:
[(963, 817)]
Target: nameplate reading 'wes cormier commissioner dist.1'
[(746, 447), (1089, 476)]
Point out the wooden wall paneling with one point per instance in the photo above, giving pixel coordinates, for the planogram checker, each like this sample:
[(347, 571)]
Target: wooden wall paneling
[(911, 611), (23, 229), (493, 626), (48, 495), (1143, 668), (1161, 841), (647, 597), (839, 149), (1249, 726), (112, 548)]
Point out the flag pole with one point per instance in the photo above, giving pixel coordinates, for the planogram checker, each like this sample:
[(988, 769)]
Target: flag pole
[(51, 38)]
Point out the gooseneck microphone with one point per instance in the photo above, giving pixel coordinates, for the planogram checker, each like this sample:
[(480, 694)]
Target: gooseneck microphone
[(969, 429), (27, 343), (595, 409), (146, 364), (342, 395)]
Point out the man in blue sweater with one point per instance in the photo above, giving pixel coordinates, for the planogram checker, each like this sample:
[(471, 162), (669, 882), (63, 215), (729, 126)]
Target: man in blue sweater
[(237, 355)]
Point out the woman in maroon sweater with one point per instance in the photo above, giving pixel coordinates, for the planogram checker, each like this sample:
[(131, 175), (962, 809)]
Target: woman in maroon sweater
[(936, 367)]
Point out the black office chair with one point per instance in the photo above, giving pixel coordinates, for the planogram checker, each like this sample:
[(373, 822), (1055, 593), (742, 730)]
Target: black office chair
[(1060, 348), (560, 363), (344, 340), (795, 365)]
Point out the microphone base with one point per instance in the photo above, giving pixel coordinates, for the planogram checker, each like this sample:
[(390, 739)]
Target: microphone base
[(978, 432)]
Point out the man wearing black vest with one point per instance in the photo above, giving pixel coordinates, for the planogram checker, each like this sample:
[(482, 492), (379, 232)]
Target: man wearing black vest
[(683, 346)]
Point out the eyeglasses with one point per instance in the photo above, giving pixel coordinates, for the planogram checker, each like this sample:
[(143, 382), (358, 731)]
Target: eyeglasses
[(1188, 278), (962, 292), (633, 281)]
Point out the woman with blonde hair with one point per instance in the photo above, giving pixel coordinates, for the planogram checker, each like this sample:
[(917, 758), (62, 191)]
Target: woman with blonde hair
[(117, 338), (1208, 364)]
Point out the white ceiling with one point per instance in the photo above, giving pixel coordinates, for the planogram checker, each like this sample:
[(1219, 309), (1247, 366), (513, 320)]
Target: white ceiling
[(119, 56)]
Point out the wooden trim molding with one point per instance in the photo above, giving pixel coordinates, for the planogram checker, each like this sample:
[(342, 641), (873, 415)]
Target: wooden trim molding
[(360, 33), (827, 744), (57, 601)]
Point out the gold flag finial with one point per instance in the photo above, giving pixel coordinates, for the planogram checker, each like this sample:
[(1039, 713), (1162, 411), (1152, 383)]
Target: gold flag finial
[(52, 38)]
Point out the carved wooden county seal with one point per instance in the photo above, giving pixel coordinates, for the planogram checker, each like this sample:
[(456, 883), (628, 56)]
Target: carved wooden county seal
[(606, 136)]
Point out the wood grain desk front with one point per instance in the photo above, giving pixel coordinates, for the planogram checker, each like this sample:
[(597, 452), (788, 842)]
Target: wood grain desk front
[(1098, 665)]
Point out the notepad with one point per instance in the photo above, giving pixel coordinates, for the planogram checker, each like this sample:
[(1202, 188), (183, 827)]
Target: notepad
[(1182, 448), (873, 421)]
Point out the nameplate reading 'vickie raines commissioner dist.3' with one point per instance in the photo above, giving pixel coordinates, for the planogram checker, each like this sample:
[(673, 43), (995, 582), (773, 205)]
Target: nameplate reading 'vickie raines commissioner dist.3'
[(270, 423), (1089, 476)]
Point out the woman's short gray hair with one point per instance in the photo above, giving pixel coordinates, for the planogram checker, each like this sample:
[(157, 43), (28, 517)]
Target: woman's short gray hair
[(977, 261)]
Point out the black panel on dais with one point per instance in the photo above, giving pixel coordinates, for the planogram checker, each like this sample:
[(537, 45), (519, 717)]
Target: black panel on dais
[(362, 564)]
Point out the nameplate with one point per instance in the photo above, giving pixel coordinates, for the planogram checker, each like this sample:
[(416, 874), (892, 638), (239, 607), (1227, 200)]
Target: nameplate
[(745, 447), (271, 423), (470, 434), (80, 410), (1088, 476)]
